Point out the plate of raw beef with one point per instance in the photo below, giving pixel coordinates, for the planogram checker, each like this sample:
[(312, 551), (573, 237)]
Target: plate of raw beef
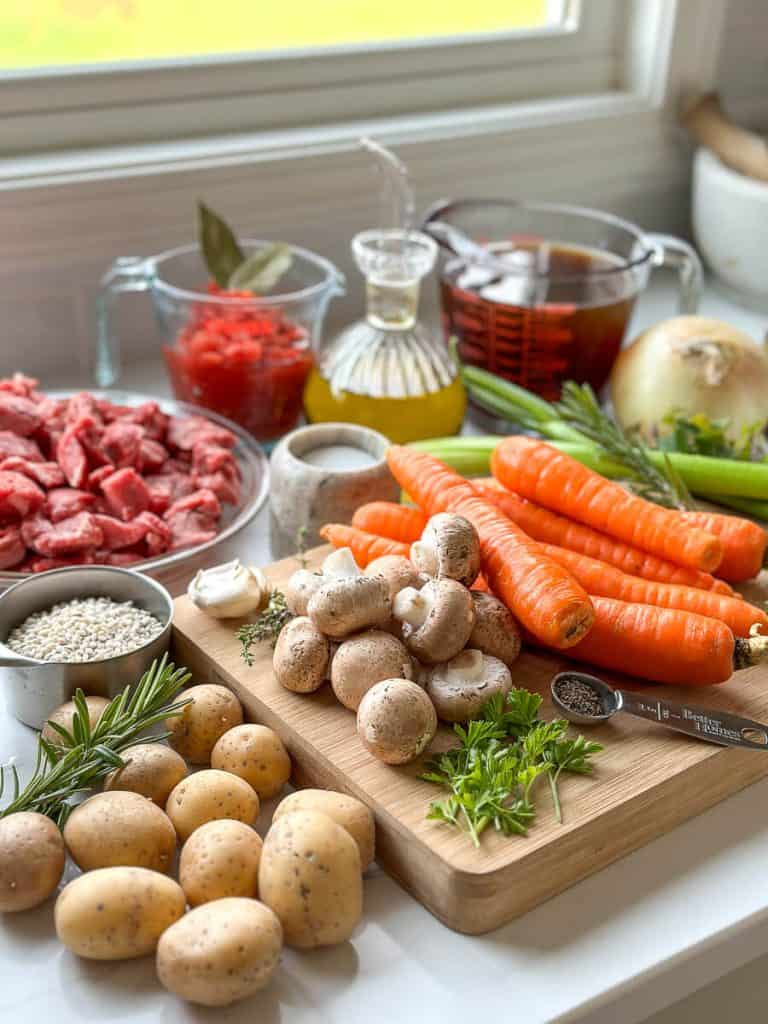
[(116, 478)]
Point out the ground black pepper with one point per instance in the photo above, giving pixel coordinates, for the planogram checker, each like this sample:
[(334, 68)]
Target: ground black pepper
[(579, 696)]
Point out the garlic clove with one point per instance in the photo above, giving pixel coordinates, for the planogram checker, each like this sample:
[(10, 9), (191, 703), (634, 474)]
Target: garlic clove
[(228, 590)]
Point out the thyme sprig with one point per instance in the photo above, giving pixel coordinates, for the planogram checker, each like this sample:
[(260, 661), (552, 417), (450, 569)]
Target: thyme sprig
[(266, 627), (84, 755), (491, 773)]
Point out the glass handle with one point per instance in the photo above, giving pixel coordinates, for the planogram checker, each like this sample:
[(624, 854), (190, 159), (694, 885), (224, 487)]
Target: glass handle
[(127, 274), (669, 251)]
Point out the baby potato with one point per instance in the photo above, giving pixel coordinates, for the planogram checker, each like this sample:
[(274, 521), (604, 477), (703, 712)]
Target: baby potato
[(116, 829), (208, 796), (256, 754), (151, 769), (213, 710), (221, 952), (310, 876), (65, 713), (117, 913), (220, 859), (32, 859), (347, 811)]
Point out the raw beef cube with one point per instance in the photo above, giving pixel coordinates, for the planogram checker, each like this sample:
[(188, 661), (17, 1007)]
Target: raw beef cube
[(13, 446), (46, 564), (152, 456), (19, 496), (63, 502), (212, 458), (224, 487), (203, 500), (166, 488), (12, 547), (20, 385), (71, 457), (47, 474), (121, 443), (97, 475), (150, 416), (18, 414), (189, 528), (79, 533), (126, 493), (81, 407), (185, 432), (158, 535), (123, 558), (118, 534)]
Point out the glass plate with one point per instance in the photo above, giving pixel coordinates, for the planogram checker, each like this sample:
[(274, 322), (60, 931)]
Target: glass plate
[(250, 458)]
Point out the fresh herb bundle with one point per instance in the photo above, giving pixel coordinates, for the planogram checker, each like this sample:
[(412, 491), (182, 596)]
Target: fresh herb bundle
[(227, 263), (267, 626), (490, 775), (699, 435), (85, 755)]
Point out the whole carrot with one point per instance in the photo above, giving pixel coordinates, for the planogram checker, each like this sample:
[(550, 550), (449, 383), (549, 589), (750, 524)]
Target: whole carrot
[(601, 580), (539, 592), (364, 546), (388, 519), (551, 528), (666, 645), (744, 543), (541, 473)]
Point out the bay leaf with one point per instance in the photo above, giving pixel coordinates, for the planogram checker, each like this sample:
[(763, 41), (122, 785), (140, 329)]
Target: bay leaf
[(261, 271), (221, 252)]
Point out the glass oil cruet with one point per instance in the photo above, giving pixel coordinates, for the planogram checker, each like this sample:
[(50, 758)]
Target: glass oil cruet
[(390, 371)]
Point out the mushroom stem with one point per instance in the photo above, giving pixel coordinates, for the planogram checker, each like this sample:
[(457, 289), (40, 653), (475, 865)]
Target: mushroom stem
[(425, 556), (465, 667), (412, 606), (340, 564)]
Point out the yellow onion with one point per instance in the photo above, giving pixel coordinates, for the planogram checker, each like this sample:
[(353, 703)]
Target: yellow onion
[(690, 365)]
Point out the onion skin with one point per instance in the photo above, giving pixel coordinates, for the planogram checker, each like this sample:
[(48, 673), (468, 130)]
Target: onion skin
[(690, 365)]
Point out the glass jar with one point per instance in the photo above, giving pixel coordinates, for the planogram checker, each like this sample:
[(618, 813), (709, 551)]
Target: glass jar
[(246, 357), (389, 371)]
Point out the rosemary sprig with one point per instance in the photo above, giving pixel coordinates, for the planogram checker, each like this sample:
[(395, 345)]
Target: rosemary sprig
[(578, 408), (266, 627), (85, 755), (490, 774)]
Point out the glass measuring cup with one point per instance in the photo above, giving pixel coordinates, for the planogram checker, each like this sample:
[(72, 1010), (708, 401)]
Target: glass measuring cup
[(245, 357), (561, 309)]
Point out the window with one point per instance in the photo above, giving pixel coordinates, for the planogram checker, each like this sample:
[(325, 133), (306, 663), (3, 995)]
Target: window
[(71, 77)]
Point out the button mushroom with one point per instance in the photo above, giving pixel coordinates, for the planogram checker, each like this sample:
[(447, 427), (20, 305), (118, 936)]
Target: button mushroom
[(449, 547), (301, 657), (300, 587), (364, 660), (496, 631), (349, 604), (340, 564), (396, 721), (437, 620), (460, 687), (398, 571)]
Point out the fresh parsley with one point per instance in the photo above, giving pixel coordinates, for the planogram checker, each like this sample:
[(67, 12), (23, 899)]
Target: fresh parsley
[(491, 772)]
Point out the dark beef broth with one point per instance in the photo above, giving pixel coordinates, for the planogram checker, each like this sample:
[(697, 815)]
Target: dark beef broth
[(564, 321)]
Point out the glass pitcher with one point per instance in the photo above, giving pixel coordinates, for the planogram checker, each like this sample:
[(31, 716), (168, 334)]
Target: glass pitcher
[(555, 298), (389, 371), (243, 356)]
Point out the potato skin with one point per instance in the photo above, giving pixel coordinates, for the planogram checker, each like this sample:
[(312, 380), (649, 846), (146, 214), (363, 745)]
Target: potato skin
[(221, 952), (64, 714), (220, 859), (310, 876), (120, 829), (208, 796), (117, 913), (151, 770), (347, 811), (194, 732), (256, 754), (32, 857)]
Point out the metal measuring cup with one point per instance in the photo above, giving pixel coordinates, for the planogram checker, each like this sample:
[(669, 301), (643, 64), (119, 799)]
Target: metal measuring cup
[(707, 724)]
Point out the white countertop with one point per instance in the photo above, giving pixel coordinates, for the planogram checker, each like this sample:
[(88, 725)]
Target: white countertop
[(676, 915)]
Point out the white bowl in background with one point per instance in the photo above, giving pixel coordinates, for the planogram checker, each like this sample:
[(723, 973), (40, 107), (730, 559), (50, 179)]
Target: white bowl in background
[(730, 225)]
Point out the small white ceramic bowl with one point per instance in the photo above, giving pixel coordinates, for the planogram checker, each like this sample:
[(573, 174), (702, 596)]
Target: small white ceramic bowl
[(730, 224)]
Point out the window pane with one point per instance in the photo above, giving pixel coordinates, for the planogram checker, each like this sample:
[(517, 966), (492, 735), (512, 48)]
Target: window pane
[(39, 33)]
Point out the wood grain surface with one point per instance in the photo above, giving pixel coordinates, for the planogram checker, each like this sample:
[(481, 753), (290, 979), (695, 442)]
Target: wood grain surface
[(646, 780)]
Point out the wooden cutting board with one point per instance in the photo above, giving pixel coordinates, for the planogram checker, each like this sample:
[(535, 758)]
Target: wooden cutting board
[(646, 781)]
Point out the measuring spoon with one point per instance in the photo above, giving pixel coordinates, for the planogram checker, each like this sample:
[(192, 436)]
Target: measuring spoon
[(707, 724)]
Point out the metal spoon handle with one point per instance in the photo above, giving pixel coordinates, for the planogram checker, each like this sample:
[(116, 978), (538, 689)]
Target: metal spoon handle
[(705, 723)]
